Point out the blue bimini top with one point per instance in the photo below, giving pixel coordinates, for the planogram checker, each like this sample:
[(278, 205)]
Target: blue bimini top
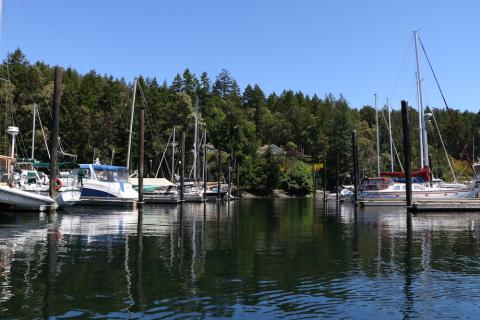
[(102, 167)]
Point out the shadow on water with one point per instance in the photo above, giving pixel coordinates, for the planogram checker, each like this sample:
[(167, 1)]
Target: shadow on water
[(259, 258)]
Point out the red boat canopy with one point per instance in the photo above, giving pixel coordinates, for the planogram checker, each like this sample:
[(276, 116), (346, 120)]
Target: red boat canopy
[(423, 173)]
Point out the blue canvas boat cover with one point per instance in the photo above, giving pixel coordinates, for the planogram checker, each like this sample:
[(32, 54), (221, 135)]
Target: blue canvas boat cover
[(103, 167)]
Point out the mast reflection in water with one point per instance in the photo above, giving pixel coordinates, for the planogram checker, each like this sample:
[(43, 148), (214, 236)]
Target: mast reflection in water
[(251, 258)]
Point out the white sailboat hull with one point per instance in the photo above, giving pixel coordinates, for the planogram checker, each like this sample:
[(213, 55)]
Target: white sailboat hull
[(24, 199), (419, 195)]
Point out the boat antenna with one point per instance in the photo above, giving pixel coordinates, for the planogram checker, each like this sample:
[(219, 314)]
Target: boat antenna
[(457, 131)]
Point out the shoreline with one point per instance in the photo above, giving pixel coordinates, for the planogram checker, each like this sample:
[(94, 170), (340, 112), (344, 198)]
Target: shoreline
[(279, 194)]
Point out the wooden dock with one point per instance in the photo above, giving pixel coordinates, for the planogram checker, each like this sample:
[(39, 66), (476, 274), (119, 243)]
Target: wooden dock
[(382, 203), (470, 205), (452, 205), (112, 202)]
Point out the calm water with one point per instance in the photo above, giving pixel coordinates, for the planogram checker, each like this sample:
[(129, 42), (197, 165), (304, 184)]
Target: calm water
[(258, 259)]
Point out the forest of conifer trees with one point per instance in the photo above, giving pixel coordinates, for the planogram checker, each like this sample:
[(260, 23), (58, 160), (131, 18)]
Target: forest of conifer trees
[(95, 112)]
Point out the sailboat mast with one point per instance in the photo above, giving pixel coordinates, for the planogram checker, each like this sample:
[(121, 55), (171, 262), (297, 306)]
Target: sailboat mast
[(473, 150), (421, 115), (131, 124), (378, 136), (195, 142), (173, 155), (390, 135), (33, 131)]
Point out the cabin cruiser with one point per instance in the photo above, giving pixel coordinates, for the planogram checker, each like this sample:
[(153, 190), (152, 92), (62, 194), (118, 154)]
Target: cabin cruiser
[(106, 185)]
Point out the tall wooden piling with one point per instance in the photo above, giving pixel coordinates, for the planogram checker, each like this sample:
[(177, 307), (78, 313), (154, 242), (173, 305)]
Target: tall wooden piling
[(141, 156), (230, 174), (430, 172), (182, 171), (355, 167), (57, 93), (205, 167), (219, 196), (337, 187), (314, 182), (239, 192), (324, 179), (407, 155)]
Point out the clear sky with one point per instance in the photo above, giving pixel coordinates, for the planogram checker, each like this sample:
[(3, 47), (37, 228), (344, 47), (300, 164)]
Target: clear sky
[(355, 48)]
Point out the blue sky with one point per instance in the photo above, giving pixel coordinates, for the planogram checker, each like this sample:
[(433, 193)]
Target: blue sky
[(356, 48)]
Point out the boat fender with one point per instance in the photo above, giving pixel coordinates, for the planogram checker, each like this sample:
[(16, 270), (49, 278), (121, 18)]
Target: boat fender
[(58, 184)]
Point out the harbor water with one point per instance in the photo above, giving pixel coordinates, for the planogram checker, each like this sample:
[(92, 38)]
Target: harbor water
[(251, 259)]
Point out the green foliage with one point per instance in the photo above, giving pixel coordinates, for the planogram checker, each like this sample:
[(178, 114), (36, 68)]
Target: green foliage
[(297, 180), (95, 117), (261, 174)]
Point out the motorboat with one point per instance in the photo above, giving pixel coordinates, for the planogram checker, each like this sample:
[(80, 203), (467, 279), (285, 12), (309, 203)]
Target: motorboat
[(106, 185)]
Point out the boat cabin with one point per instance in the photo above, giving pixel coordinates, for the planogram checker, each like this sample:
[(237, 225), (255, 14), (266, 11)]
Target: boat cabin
[(104, 172), (377, 183)]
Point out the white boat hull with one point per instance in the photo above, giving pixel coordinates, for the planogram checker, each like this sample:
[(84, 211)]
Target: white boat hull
[(68, 197), (419, 195), (24, 199), (107, 193)]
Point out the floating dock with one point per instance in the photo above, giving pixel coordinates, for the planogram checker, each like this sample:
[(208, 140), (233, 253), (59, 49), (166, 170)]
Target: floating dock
[(382, 203), (451, 205), (113, 202), (470, 205)]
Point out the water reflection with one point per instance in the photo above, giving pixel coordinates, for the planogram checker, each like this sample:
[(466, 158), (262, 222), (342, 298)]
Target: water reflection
[(252, 258)]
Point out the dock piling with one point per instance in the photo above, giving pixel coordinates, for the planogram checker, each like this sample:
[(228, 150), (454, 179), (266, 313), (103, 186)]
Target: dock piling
[(239, 193), (219, 174), (407, 155), (141, 156), (205, 167), (182, 171), (355, 167), (324, 180), (57, 92)]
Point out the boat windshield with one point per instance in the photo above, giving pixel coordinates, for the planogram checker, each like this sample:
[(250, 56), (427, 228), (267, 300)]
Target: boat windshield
[(120, 175)]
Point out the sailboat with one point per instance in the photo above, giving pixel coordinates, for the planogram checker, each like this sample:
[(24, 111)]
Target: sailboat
[(155, 190), (389, 185), (192, 192)]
